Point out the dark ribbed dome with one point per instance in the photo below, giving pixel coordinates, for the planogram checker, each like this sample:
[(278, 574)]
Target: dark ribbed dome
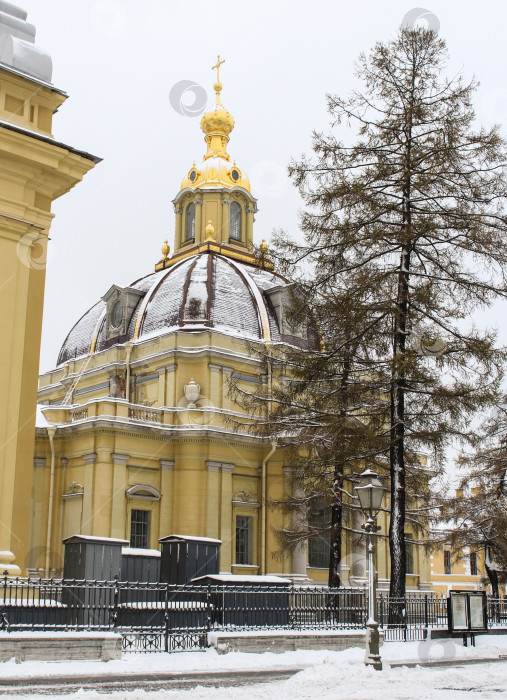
[(201, 292)]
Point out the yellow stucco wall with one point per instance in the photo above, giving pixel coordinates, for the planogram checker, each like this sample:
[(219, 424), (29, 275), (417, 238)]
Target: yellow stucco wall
[(34, 172)]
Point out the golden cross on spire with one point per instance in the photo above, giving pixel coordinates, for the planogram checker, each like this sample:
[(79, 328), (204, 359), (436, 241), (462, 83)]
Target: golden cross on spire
[(217, 66)]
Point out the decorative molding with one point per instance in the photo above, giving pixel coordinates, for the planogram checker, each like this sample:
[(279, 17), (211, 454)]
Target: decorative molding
[(90, 458), (214, 368), (244, 496), (213, 466), (227, 468), (147, 377), (74, 489), (134, 492), (226, 201), (119, 459), (39, 462), (250, 504), (288, 471), (64, 461), (166, 464)]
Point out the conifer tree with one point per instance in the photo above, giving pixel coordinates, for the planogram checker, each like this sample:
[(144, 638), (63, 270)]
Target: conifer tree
[(405, 222), (479, 512)]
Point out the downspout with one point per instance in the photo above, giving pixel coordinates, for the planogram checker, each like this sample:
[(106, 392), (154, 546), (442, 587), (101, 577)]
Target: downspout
[(128, 353), (51, 434), (264, 475), (263, 506)]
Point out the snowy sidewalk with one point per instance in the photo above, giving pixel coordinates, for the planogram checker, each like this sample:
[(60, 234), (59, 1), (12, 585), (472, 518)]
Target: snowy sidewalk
[(324, 675)]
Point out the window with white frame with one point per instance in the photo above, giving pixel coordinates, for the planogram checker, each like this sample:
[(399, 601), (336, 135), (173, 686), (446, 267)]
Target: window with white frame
[(235, 222), (190, 222), (244, 527), (140, 528)]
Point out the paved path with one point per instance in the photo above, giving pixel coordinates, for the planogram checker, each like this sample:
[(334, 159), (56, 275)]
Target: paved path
[(65, 685)]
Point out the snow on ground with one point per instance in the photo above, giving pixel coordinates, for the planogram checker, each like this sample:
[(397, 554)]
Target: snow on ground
[(325, 674)]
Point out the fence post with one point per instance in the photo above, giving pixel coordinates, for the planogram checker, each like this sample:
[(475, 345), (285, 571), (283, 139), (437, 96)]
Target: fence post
[(116, 598), (166, 618)]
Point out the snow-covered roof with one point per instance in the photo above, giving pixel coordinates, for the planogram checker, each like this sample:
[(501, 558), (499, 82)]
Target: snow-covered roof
[(190, 538), (238, 578), (138, 552), (203, 291)]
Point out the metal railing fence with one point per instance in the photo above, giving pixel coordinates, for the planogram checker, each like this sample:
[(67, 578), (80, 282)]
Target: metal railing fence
[(159, 616)]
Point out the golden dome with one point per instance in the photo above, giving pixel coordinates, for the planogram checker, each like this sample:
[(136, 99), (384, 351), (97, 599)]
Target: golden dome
[(216, 169)]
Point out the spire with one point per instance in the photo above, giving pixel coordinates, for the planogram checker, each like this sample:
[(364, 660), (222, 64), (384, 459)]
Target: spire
[(217, 124)]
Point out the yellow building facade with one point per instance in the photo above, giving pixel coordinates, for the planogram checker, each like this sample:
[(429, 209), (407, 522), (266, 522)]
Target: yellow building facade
[(138, 435), (35, 170)]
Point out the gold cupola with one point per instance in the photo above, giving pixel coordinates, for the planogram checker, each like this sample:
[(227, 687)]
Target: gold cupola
[(214, 208), (216, 169)]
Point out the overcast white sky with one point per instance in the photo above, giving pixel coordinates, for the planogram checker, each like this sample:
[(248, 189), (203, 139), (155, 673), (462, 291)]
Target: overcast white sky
[(118, 60)]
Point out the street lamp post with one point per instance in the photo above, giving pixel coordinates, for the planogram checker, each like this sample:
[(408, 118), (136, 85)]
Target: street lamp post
[(370, 493)]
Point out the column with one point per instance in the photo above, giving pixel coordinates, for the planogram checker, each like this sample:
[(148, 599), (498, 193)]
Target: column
[(212, 500), (249, 227), (226, 534), (36, 527), (198, 221), (166, 502), (177, 232), (87, 523), (161, 371), (299, 556), (226, 220), (119, 507), (170, 386)]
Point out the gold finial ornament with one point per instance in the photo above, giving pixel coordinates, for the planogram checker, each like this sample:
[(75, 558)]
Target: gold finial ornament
[(165, 250), (218, 85), (210, 230), (263, 257)]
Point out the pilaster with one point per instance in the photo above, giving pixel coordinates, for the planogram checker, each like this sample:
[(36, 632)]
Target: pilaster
[(226, 517), (166, 502), (120, 483), (88, 490), (226, 220), (198, 221), (213, 500), (299, 554)]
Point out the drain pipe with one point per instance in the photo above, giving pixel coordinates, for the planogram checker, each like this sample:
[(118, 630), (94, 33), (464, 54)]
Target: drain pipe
[(128, 353), (51, 434), (263, 505)]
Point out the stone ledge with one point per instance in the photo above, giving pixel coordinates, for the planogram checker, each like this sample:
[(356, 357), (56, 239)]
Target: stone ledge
[(59, 646), (258, 643)]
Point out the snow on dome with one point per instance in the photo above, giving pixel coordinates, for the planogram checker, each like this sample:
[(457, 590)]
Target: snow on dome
[(203, 291)]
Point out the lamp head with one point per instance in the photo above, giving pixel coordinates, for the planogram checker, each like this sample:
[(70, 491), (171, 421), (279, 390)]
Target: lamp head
[(370, 493)]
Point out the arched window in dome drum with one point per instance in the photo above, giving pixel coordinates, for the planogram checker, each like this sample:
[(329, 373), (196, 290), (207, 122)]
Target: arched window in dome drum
[(190, 222), (235, 222)]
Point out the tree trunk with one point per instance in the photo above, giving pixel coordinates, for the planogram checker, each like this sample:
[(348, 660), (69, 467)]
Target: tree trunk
[(335, 554), (492, 573), (397, 450)]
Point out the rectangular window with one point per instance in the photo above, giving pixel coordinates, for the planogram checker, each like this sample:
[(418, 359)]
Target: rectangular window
[(409, 554), (473, 564), (243, 539), (447, 562), (140, 529), (319, 545)]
